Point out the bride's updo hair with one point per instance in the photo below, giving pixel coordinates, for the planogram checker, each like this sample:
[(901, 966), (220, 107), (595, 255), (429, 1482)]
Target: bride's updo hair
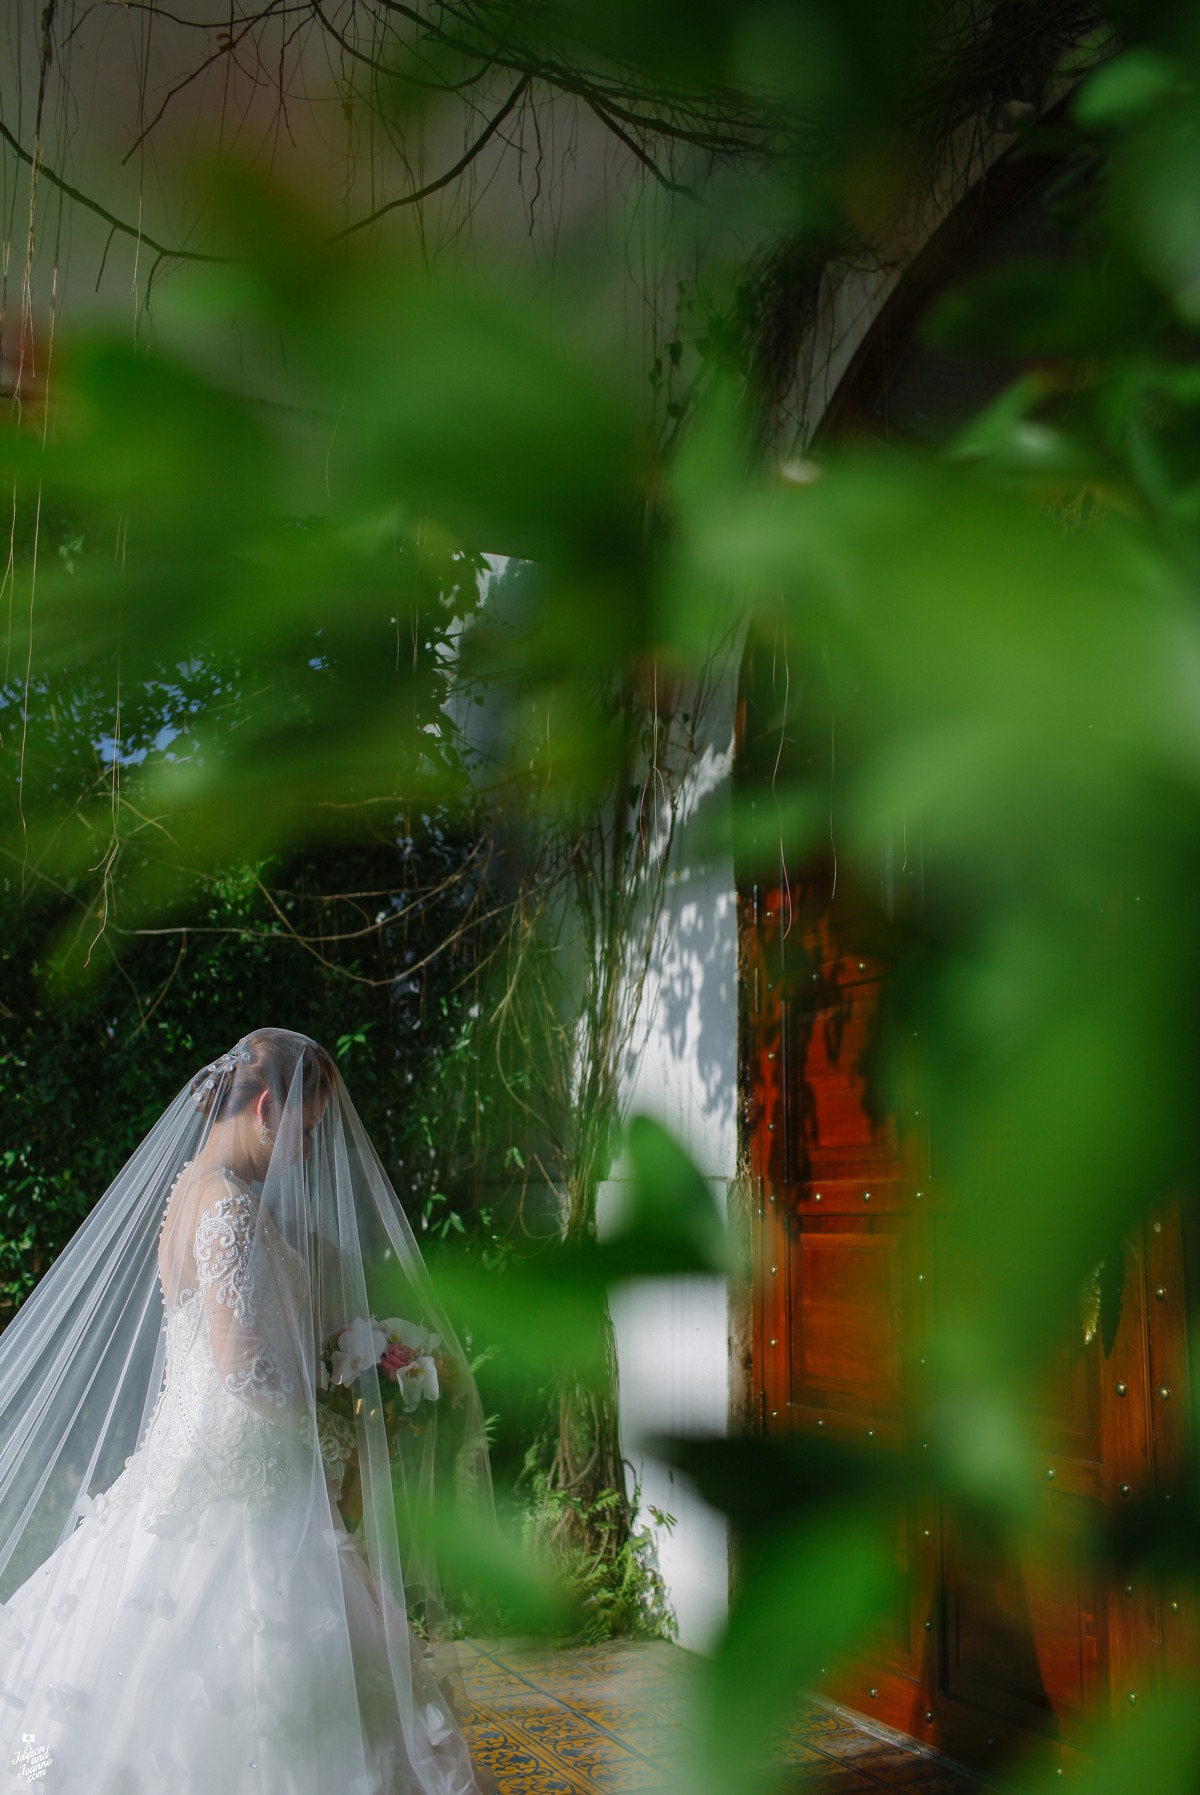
[(265, 1060)]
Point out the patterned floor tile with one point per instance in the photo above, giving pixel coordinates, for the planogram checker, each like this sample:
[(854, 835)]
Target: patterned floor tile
[(612, 1720), (658, 1739), (868, 1753), (834, 1779), (635, 1776)]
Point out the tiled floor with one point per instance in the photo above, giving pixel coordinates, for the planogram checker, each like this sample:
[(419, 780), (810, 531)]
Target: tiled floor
[(609, 1720)]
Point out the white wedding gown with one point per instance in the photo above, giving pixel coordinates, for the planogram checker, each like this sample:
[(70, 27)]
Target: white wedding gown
[(210, 1628)]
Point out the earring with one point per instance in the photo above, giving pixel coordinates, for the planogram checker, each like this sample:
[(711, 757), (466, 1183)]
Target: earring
[(263, 1136)]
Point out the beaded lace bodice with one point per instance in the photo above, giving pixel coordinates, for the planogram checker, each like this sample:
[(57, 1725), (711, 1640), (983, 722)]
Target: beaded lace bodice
[(240, 1428)]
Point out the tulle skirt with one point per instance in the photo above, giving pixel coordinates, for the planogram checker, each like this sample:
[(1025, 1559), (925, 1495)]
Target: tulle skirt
[(242, 1653)]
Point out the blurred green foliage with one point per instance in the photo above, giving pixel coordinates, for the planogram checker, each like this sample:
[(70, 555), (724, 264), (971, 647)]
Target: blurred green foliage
[(85, 1069), (1008, 620)]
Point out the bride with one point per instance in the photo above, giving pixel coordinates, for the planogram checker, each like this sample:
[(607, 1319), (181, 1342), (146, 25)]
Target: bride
[(239, 1344)]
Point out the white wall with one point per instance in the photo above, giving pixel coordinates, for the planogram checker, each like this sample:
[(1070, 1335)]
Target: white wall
[(673, 1333), (671, 1342)]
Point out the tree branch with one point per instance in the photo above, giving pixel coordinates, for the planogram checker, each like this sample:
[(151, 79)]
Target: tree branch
[(118, 224), (642, 155), (223, 50), (451, 174)]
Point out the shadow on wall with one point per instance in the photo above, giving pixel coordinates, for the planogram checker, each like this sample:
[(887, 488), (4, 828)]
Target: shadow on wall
[(684, 1067), (673, 1333)]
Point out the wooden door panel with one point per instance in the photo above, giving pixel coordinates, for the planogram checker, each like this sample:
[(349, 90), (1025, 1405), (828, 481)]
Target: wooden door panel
[(834, 1115), (898, 1644), (1064, 1410), (847, 1314), (1172, 1304), (1023, 1618), (885, 1680), (1172, 1289)]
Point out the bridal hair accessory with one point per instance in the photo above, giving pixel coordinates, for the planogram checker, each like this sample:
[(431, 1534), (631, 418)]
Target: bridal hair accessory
[(228, 1063)]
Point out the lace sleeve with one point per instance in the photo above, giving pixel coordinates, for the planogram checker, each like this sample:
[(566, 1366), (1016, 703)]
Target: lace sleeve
[(236, 1307)]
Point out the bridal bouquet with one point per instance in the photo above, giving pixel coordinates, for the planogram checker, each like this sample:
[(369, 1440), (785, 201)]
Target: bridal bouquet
[(405, 1358)]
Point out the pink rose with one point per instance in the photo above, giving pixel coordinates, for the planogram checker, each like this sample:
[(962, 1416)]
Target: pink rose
[(395, 1358)]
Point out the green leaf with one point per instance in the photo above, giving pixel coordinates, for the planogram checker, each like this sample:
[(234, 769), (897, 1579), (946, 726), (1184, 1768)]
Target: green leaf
[(1124, 88), (1155, 1747), (806, 1596), (670, 1221), (477, 1560)]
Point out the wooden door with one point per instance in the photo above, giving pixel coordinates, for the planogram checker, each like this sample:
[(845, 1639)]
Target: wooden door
[(988, 1645)]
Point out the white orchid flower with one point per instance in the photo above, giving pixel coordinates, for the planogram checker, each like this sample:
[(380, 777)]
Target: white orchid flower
[(420, 1379), (358, 1348), (409, 1334)]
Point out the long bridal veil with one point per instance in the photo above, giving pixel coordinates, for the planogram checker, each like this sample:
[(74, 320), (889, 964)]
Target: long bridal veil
[(240, 1335)]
